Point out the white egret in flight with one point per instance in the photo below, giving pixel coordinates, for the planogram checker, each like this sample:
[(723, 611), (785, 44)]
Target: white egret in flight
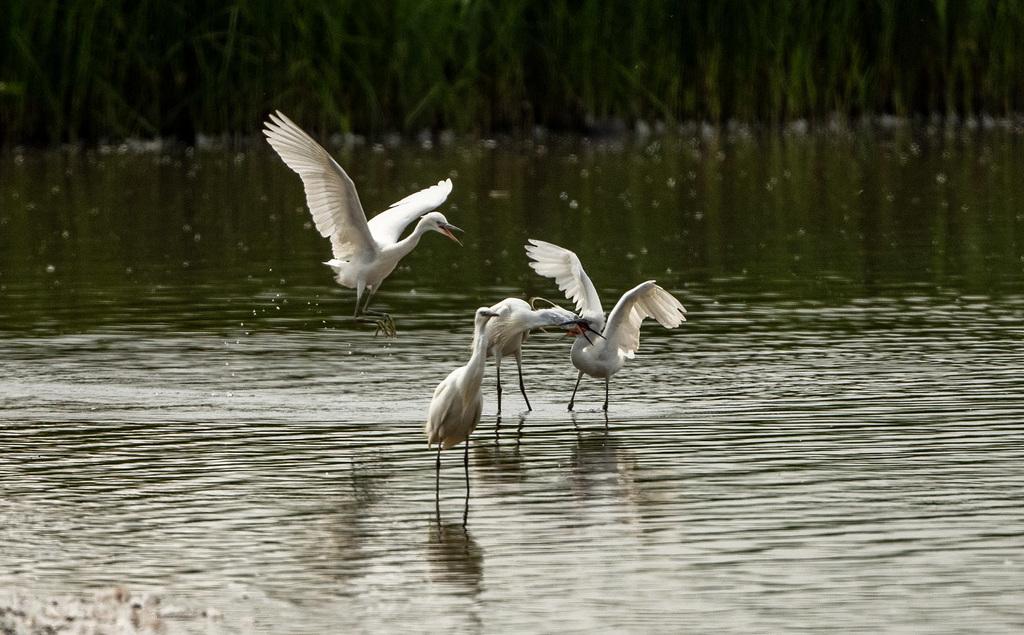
[(459, 400), (365, 252), (600, 350), (507, 332)]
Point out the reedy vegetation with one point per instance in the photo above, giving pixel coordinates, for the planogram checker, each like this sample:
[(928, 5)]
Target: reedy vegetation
[(91, 70)]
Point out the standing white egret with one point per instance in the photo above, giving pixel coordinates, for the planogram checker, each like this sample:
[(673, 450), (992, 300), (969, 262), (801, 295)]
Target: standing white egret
[(602, 356), (459, 400), (507, 332), (364, 252)]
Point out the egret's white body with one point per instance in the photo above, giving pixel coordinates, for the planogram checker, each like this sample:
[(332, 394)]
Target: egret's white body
[(507, 332), (365, 252), (604, 355), (458, 400)]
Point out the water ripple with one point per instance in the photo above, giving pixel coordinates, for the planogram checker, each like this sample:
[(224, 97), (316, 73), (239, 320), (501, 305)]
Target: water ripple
[(773, 466)]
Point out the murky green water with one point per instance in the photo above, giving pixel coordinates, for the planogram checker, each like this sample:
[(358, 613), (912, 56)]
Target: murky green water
[(832, 443)]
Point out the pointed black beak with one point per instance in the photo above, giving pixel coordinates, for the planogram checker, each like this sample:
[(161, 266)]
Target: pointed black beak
[(584, 328)]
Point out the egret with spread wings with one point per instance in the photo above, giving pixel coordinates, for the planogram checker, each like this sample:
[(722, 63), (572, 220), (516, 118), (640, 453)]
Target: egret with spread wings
[(365, 252), (601, 349)]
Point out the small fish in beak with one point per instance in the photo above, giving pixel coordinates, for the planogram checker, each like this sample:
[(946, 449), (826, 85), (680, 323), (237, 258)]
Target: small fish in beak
[(580, 327)]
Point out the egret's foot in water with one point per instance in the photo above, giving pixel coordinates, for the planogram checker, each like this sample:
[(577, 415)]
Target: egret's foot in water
[(386, 327), (382, 322)]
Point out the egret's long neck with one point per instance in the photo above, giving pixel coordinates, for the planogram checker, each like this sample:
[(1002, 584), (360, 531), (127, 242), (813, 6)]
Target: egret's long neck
[(475, 367), (547, 317), (407, 244), (580, 344)]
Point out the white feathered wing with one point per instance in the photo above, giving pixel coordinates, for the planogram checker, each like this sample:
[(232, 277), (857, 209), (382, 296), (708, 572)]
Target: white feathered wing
[(330, 193), (645, 300), (564, 266)]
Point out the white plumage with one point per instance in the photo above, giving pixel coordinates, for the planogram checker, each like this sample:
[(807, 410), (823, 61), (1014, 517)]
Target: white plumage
[(552, 261), (457, 403), (602, 353), (507, 332), (364, 252)]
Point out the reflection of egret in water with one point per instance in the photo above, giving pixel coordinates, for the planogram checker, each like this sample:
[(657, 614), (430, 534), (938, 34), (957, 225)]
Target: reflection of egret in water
[(600, 468), (576, 426), (595, 454), (455, 560), (337, 520), (518, 430), (369, 479), (502, 458)]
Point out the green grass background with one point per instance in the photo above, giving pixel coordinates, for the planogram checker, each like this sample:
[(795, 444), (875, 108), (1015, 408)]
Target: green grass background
[(109, 69)]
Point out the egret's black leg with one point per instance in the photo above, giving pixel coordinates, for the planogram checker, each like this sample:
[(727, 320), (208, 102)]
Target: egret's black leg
[(369, 296), (572, 400), (522, 388), (437, 482), (465, 462), (497, 370), (383, 321), (607, 380)]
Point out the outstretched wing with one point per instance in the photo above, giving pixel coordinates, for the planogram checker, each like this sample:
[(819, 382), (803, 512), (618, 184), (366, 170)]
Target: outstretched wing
[(564, 266), (387, 226), (330, 193), (642, 301)]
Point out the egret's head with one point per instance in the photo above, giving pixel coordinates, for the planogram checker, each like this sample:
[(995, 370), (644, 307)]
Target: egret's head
[(437, 222), (483, 314), (571, 321)]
